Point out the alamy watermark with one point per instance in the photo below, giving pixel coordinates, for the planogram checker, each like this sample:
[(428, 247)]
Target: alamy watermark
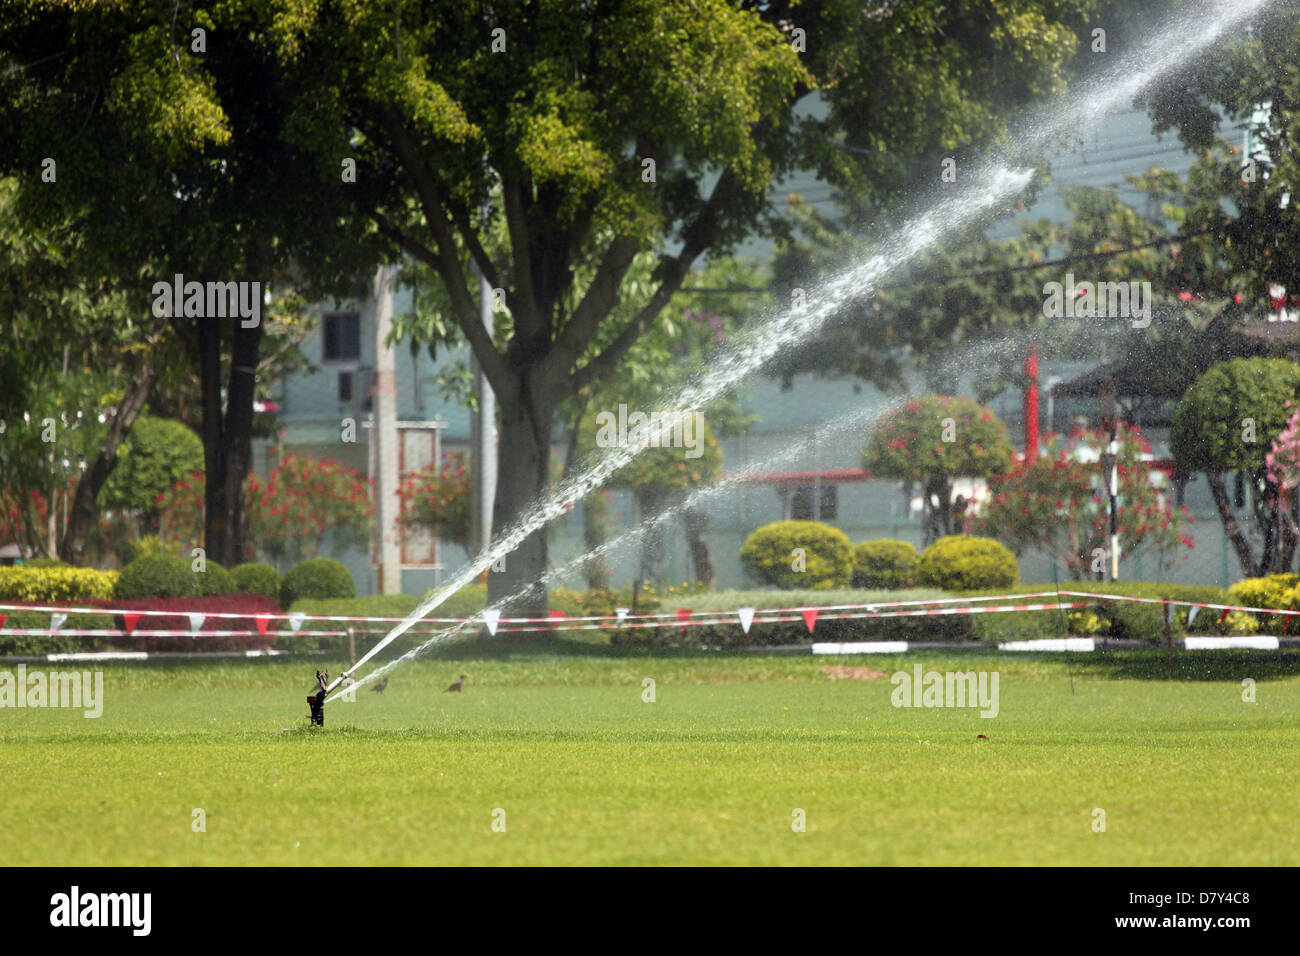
[(655, 430), (946, 689), (1088, 300), (77, 689), (208, 300)]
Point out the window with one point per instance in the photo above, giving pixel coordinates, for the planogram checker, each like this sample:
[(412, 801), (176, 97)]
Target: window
[(341, 333), (801, 504), (347, 385)]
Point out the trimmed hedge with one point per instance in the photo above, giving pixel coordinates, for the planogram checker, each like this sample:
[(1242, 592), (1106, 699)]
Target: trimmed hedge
[(466, 602), (769, 555), (322, 578), (140, 639), (885, 563), (962, 562), (255, 577), (166, 576), (731, 634), (55, 583), (27, 646)]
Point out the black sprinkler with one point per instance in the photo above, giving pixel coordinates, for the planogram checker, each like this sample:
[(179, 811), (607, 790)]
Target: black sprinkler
[(317, 701)]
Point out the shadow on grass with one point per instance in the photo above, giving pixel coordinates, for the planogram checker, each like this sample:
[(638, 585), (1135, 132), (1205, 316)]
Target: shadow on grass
[(1188, 665)]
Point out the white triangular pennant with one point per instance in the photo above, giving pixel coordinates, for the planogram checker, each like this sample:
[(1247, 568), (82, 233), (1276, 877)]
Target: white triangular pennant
[(1191, 614), (746, 615), (491, 617), (295, 621), (196, 621), (56, 621), (621, 612)]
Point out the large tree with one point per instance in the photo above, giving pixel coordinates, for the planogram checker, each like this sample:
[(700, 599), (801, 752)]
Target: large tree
[(593, 131)]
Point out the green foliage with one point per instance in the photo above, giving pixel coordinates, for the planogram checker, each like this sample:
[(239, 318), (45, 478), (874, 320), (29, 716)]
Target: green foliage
[(1209, 431), (165, 575), (255, 577), (964, 562), (909, 443), (885, 563), (157, 453), (664, 470), (799, 554), (317, 578), (55, 583), (58, 643)]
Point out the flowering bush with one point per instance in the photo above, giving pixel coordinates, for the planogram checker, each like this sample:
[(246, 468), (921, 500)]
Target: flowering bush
[(1059, 504), (437, 499), (302, 504)]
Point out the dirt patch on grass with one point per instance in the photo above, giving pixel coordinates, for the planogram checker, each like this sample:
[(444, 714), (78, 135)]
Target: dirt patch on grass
[(853, 673)]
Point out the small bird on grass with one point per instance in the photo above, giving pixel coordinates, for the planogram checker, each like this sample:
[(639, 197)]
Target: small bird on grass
[(458, 686), (379, 687)]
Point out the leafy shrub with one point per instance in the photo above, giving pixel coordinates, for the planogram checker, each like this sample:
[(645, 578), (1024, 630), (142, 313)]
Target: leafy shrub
[(1274, 591), (45, 563), (885, 563), (254, 577), (769, 554), (157, 453), (166, 576), (1132, 620), (55, 583), (317, 578), (152, 544), (964, 562)]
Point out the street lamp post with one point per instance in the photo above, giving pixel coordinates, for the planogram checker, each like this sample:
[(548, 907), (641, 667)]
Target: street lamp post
[(1110, 468)]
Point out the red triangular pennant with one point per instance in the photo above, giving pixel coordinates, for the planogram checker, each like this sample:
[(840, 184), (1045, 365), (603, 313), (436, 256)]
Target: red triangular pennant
[(683, 615), (262, 621), (131, 619), (2, 619), (1223, 617), (810, 618), (555, 616)]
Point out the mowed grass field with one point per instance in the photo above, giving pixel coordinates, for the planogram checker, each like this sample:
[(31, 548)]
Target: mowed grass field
[(711, 772)]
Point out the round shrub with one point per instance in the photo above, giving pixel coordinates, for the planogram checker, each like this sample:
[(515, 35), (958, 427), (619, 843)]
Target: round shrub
[(256, 577), (967, 563), (885, 563), (163, 575), (317, 578), (799, 554)]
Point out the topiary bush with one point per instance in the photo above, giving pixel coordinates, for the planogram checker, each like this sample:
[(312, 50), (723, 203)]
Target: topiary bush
[(1274, 591), (317, 578), (776, 553), (885, 563), (256, 577), (965, 563), (164, 575)]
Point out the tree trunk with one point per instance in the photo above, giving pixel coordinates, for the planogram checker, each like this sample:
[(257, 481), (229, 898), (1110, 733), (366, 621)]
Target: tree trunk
[(1219, 489), (227, 436), (595, 530), (523, 476), (653, 540), (697, 523), (84, 507)]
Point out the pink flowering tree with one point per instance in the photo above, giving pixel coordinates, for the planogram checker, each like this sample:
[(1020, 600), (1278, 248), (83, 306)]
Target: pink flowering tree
[(933, 440), (1059, 504)]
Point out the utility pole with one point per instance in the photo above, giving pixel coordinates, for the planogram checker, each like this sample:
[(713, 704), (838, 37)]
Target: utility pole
[(384, 435), (1110, 468)]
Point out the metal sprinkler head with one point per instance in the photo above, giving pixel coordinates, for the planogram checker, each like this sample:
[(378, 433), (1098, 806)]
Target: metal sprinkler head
[(317, 701)]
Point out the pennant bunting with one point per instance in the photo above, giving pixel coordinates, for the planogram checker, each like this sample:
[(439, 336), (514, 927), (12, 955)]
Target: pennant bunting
[(683, 615), (56, 621), (262, 621), (295, 621), (810, 618), (196, 621), (621, 613), (492, 617), (1191, 614), (746, 615)]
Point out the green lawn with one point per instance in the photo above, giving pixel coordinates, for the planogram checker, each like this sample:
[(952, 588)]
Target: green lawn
[(710, 773)]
